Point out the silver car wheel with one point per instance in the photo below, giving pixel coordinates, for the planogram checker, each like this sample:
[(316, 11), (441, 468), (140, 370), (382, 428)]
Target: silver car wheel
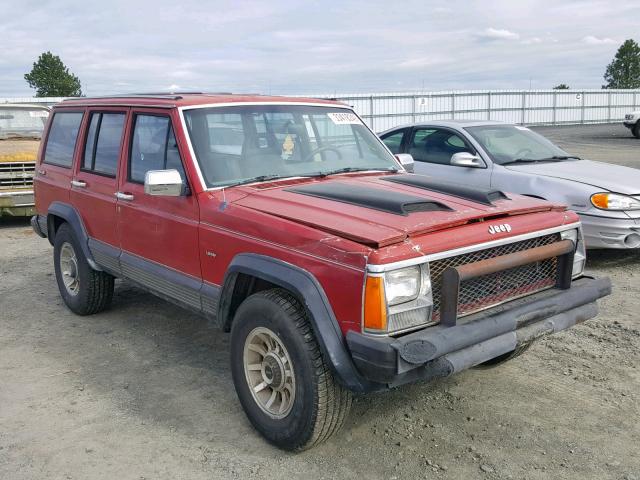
[(269, 372), (69, 269)]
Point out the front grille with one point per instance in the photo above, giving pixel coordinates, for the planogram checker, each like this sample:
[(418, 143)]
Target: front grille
[(483, 292), (16, 174)]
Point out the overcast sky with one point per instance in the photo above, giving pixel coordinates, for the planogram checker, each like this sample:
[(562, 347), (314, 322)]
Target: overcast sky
[(275, 46)]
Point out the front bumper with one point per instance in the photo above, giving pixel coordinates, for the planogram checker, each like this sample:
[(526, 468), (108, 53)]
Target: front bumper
[(17, 203), (606, 232), (441, 351)]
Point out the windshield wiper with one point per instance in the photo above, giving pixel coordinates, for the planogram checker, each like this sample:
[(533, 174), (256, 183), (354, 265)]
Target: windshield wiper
[(266, 178), (351, 169), (560, 157), (259, 178), (555, 158)]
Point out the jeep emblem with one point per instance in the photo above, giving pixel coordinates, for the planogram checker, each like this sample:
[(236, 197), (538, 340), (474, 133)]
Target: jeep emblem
[(504, 227)]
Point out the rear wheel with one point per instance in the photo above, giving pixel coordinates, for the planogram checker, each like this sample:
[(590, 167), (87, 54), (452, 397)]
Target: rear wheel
[(636, 129), (284, 385), (84, 290)]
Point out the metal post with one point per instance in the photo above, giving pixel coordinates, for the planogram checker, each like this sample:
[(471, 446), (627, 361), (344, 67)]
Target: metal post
[(555, 107), (453, 106), (488, 105), (413, 109), (609, 107), (371, 112), (524, 106), (582, 108)]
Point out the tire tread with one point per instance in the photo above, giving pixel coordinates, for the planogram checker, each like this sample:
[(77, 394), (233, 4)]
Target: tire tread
[(333, 401)]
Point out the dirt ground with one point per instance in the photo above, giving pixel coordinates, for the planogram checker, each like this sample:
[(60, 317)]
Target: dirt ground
[(143, 391)]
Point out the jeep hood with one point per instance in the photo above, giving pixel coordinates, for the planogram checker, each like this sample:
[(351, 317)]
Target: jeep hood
[(366, 209), (605, 176)]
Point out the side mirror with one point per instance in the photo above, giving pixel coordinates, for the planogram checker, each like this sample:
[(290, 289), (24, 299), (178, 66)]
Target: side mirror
[(163, 183), (466, 159), (406, 161)]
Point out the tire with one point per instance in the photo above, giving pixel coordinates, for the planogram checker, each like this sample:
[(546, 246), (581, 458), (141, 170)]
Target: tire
[(636, 129), (309, 405), (500, 359), (84, 290)]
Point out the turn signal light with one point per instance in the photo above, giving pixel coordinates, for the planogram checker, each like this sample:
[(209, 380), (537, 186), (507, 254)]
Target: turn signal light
[(375, 308), (600, 200)]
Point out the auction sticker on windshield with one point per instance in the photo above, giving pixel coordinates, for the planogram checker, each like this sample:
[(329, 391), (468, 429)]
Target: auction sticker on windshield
[(340, 118)]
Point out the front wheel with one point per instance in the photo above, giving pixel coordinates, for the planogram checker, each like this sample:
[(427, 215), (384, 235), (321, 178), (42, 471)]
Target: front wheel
[(284, 385)]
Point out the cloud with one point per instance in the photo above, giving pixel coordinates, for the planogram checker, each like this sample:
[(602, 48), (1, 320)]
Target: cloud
[(497, 34), (532, 41), (591, 40), (288, 47)]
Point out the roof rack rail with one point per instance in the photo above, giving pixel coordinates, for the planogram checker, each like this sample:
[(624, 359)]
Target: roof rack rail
[(163, 95)]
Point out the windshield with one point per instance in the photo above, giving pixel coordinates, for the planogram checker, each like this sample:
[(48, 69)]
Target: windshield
[(236, 144), (20, 122), (510, 143)]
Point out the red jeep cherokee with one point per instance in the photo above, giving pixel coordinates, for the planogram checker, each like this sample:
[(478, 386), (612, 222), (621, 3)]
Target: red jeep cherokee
[(287, 222)]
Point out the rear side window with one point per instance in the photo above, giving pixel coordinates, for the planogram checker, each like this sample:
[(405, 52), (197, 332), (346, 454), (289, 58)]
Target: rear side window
[(102, 148), (153, 147), (62, 137)]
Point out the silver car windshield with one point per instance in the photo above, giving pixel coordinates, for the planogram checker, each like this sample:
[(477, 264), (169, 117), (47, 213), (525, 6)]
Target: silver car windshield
[(513, 143), (241, 144), (21, 122)]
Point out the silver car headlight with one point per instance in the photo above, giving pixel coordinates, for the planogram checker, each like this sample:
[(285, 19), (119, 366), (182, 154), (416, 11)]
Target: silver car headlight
[(579, 256), (614, 201), (398, 300)]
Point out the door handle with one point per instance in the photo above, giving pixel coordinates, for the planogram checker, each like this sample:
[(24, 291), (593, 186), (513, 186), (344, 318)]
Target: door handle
[(78, 183), (124, 196)]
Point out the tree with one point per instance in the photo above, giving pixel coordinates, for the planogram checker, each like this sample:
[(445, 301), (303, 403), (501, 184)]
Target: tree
[(51, 78), (562, 86), (624, 70)]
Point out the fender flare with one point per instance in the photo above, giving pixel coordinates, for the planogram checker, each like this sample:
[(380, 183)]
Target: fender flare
[(309, 291), (70, 215)]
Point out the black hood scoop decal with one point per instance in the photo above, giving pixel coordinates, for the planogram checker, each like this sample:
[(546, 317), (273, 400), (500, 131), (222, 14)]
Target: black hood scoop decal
[(486, 197), (388, 201)]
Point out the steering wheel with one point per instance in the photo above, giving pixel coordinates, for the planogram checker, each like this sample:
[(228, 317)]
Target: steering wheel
[(322, 149), (522, 153)]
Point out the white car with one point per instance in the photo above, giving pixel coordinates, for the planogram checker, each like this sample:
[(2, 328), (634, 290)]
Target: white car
[(632, 122)]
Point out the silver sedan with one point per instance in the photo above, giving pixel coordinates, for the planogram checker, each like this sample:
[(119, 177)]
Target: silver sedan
[(512, 158)]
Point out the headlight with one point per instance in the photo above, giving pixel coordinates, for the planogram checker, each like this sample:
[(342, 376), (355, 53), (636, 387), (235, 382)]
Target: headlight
[(397, 300), (402, 285), (579, 256), (614, 201)]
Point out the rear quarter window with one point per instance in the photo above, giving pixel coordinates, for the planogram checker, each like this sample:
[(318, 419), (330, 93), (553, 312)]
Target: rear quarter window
[(61, 141), (102, 148)]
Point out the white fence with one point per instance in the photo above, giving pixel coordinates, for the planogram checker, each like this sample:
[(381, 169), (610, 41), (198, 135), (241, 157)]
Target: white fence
[(531, 107)]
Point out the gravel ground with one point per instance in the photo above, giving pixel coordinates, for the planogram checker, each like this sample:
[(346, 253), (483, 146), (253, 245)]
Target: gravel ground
[(143, 391)]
